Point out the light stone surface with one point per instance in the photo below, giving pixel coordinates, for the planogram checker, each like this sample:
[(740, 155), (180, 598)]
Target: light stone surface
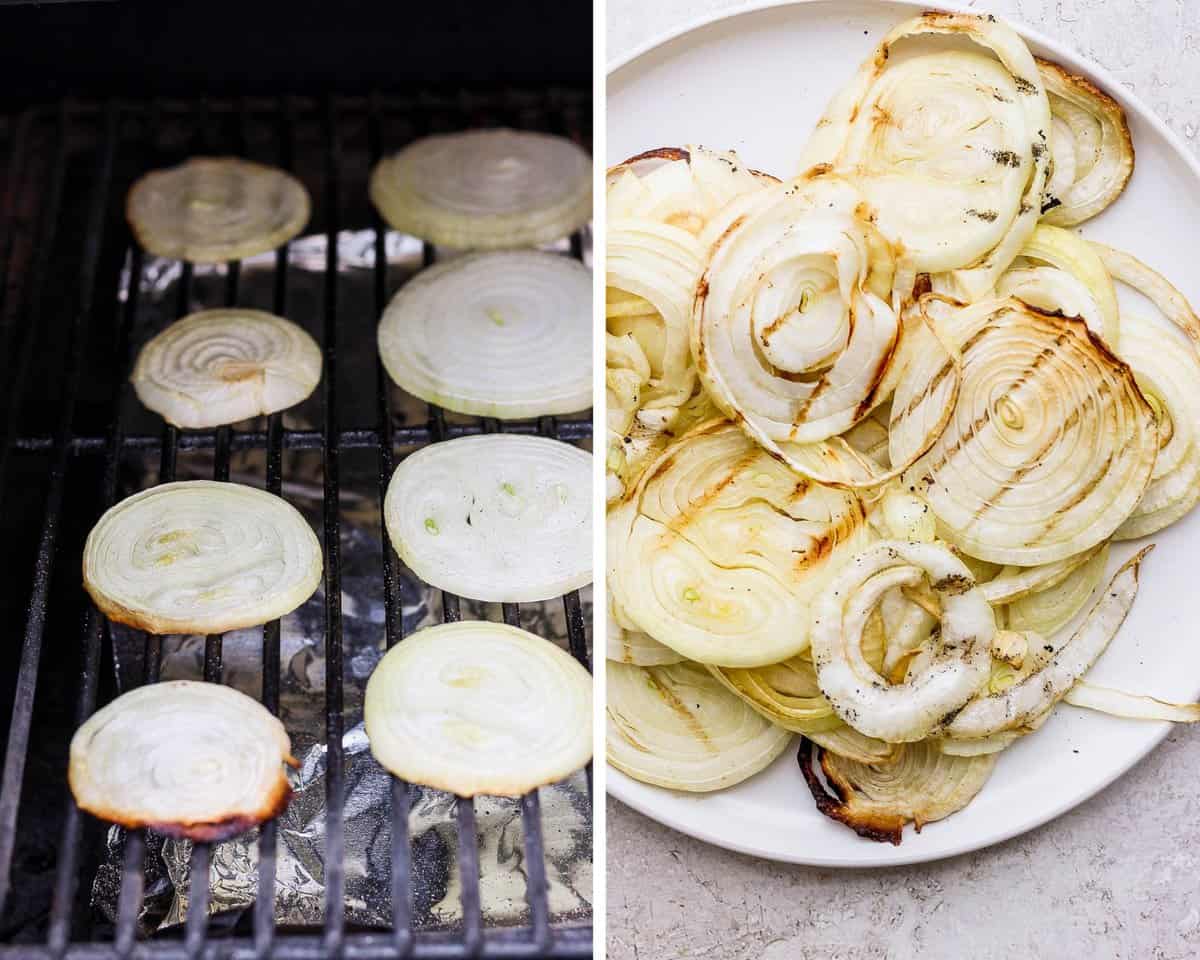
[(1118, 878)]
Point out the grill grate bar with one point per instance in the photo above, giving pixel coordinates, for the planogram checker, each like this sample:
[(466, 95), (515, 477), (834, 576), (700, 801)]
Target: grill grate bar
[(393, 620), (334, 769), (31, 647), (264, 902), (356, 439), (468, 870)]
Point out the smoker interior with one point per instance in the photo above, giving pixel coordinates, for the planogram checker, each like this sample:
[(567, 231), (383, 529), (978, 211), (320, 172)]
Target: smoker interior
[(69, 298)]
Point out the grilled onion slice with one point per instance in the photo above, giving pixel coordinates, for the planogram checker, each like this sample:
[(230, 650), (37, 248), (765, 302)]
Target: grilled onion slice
[(196, 760), (659, 204), (1051, 443), (479, 707), (785, 693), (948, 147), (1060, 272), (221, 366), (959, 661), (1040, 690), (920, 784), (677, 727), (1090, 147), (722, 548), (1048, 610), (495, 517), (485, 189), (213, 209), (1161, 342), (1134, 706), (791, 330), (1013, 583), (505, 335), (199, 556)]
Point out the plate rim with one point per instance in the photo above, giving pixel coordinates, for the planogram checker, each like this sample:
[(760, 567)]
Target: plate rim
[(624, 788)]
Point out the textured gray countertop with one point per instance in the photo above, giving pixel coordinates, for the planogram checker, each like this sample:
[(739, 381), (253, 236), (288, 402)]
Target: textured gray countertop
[(1118, 877)]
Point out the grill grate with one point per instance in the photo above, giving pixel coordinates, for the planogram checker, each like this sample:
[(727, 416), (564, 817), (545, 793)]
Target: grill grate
[(23, 289)]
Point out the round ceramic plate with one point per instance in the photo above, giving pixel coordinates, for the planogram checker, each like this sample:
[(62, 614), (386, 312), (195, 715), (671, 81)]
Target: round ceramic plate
[(756, 82)]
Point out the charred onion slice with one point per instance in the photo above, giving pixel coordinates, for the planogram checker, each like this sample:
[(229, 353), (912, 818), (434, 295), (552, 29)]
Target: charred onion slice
[(1161, 342), (215, 209), (186, 759), (785, 693), (791, 334), (949, 148), (1060, 272), (722, 548), (959, 661), (1048, 610), (677, 727), (495, 517), (658, 204), (505, 335), (1036, 693), (875, 800), (1090, 147), (1051, 443), (199, 556), (221, 366), (479, 707), (485, 189)]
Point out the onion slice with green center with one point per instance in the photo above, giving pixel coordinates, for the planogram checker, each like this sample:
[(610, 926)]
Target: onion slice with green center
[(1161, 342), (199, 556), (485, 189), (959, 661), (477, 707), (1036, 693), (220, 366), (1051, 443), (949, 147), (216, 209), (505, 335), (186, 759), (722, 548), (677, 727), (1090, 147), (920, 784), (495, 517)]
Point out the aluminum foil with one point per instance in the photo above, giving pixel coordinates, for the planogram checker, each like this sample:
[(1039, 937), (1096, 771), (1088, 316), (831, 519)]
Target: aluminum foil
[(299, 893)]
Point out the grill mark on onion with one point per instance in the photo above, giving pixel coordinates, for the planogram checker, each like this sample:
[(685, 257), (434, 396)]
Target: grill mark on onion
[(694, 726)]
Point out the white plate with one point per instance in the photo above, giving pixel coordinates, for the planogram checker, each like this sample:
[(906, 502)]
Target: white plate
[(757, 81)]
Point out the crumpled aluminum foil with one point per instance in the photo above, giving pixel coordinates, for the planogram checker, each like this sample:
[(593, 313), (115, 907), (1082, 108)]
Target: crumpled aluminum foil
[(566, 806)]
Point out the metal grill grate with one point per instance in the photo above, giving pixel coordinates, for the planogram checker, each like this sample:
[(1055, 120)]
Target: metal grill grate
[(24, 274)]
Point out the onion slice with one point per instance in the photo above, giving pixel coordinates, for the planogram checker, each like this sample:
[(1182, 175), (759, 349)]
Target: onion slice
[(920, 784), (186, 759), (959, 661), (1090, 147), (220, 366), (790, 329), (632, 646), (677, 727), (495, 517), (1051, 608), (477, 707), (485, 189), (720, 551), (505, 335), (1013, 583), (199, 556), (949, 147), (1036, 693), (215, 209), (1051, 443), (785, 693), (1133, 706), (1161, 342)]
